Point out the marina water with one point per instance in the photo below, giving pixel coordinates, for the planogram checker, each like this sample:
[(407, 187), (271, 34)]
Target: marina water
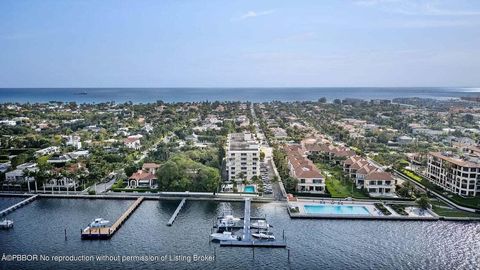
[(326, 244)]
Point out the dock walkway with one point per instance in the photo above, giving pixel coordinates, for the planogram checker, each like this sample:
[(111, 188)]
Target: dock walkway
[(247, 235), (18, 205), (175, 214), (107, 232), (247, 240)]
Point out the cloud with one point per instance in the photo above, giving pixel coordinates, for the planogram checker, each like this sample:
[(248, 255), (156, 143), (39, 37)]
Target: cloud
[(253, 14)]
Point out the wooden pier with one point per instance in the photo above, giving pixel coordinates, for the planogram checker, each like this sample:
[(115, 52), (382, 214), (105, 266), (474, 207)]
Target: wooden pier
[(175, 214), (18, 205), (107, 232)]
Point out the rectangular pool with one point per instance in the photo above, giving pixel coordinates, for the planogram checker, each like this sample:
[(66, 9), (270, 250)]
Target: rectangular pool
[(249, 189), (337, 210)]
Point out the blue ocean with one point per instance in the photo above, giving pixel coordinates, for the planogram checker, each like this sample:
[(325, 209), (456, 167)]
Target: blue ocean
[(148, 95)]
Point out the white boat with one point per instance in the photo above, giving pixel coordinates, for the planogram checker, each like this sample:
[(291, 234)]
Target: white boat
[(228, 221), (225, 236), (6, 224), (259, 224), (264, 235), (99, 223)]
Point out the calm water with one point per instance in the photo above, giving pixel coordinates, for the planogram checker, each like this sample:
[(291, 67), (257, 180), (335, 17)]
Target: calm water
[(146, 95), (326, 244)]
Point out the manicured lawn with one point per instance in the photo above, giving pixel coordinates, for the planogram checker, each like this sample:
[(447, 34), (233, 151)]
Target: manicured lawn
[(439, 210), (472, 202), (337, 186), (412, 175)]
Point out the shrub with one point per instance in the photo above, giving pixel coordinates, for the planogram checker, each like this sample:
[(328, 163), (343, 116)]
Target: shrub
[(382, 209)]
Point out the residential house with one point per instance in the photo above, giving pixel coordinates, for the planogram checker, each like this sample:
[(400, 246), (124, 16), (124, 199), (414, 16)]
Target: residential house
[(150, 167), (142, 179), (132, 143), (18, 175)]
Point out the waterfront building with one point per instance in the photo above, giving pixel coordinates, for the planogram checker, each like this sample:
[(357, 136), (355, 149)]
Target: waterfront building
[(19, 174), (349, 162), (362, 173), (142, 179), (459, 174), (242, 156), (310, 180), (379, 183), (369, 177)]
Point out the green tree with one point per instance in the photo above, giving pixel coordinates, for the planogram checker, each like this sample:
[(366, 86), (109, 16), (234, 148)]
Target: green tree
[(167, 175), (130, 169), (290, 184), (423, 202)]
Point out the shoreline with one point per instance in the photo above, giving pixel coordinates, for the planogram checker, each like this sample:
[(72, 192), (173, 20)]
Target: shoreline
[(242, 199)]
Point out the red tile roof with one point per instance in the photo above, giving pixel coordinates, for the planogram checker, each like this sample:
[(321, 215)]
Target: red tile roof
[(150, 166), (376, 175), (141, 175)]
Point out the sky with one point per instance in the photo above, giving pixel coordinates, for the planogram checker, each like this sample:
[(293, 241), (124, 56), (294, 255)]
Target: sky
[(231, 43)]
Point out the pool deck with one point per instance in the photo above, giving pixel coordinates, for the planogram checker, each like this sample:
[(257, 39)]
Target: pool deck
[(414, 212)]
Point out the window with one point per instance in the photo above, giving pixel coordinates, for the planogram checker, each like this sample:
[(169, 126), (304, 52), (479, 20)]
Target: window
[(302, 181)]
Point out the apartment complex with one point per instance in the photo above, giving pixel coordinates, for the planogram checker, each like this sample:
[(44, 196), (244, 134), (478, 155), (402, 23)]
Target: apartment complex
[(455, 173), (310, 180), (243, 156), (369, 177)]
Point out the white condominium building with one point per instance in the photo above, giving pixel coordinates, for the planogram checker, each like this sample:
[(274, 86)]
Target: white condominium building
[(243, 156), (457, 174)]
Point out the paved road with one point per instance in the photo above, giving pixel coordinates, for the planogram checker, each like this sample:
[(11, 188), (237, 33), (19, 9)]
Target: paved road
[(277, 192), (103, 187)]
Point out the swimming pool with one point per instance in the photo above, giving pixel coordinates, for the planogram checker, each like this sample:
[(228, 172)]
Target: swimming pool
[(249, 189), (337, 210)]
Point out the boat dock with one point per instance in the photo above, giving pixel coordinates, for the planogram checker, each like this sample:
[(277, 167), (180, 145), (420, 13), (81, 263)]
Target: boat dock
[(18, 205), (107, 232), (247, 233), (247, 240), (175, 214)]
